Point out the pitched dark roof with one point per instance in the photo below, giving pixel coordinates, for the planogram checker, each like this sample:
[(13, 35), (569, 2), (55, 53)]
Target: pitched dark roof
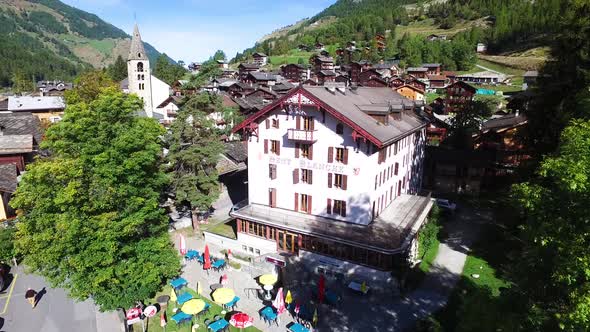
[(249, 66), (259, 54), (437, 77), (416, 69), (8, 180), (327, 73), (237, 151), (431, 65), (22, 123), (261, 76), (508, 121)]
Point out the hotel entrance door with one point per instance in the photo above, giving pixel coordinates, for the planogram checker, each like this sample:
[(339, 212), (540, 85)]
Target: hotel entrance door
[(287, 241)]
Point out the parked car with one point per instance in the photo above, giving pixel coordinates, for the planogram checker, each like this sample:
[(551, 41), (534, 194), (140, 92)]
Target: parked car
[(446, 205)]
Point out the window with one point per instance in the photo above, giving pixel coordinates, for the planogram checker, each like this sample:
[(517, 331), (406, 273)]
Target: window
[(339, 208), (272, 171), (339, 129), (305, 203), (257, 252), (396, 168), (340, 181), (274, 147), (272, 197), (308, 123), (306, 176), (305, 149), (245, 248), (140, 66), (275, 123), (340, 154)]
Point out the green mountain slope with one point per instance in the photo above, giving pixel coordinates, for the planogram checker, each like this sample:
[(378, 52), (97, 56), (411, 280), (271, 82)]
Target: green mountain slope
[(47, 39)]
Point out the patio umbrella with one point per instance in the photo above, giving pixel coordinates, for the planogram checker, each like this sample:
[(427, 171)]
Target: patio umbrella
[(241, 320), (182, 245), (364, 287), (199, 288), (268, 279), (321, 288), (288, 298), (223, 295), (163, 321), (173, 295), (315, 317), (193, 307), (279, 302), (207, 263)]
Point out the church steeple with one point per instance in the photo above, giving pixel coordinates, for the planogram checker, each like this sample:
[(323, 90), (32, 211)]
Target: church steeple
[(136, 52)]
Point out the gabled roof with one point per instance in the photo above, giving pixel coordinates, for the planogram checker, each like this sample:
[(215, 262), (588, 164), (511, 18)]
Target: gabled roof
[(324, 58), (261, 76), (416, 69), (293, 65), (437, 77), (136, 51), (348, 107), (22, 123), (431, 65), (32, 103), (249, 66), (259, 54), (327, 73), (505, 122), (263, 90), (172, 99), (411, 87), (464, 85)]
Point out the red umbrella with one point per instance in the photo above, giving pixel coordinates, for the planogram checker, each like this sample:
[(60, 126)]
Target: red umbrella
[(163, 319), (241, 320), (207, 263), (321, 288)]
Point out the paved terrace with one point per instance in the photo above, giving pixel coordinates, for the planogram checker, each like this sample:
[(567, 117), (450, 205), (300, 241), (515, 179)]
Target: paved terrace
[(387, 233)]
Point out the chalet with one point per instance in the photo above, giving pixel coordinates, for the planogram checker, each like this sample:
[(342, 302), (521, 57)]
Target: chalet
[(450, 75), (356, 68), (47, 108), (392, 68), (310, 81), (249, 106), (229, 73), (261, 78), (245, 68), (240, 89), (437, 81), (294, 72), (283, 87), (222, 64), (324, 53), (326, 76), (374, 82), (530, 78), (410, 92), (20, 136), (380, 41), (322, 63), (342, 78), (167, 110), (417, 72), (303, 48), (482, 77), (53, 88), (262, 93), (396, 82), (332, 177), (319, 46), (260, 59), (368, 74), (416, 83), (458, 96), (179, 87), (504, 136), (433, 68), (195, 68)]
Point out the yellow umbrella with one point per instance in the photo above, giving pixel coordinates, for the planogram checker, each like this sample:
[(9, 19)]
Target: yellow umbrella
[(172, 295), (268, 279), (223, 295), (364, 287), (193, 307), (288, 298)]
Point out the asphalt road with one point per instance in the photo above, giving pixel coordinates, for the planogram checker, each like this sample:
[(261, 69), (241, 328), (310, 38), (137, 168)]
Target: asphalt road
[(55, 312)]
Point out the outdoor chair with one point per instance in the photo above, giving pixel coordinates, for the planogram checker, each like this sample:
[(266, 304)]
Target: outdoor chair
[(207, 321)]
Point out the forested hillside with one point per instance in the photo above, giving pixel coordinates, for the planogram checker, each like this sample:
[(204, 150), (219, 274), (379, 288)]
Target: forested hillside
[(47, 39), (502, 24)]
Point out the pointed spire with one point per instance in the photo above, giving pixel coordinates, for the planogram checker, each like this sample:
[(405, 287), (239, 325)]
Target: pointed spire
[(136, 52)]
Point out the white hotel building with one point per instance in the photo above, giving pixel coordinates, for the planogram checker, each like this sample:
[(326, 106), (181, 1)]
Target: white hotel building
[(333, 172)]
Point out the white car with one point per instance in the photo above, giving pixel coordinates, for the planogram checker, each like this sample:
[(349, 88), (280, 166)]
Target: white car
[(446, 205)]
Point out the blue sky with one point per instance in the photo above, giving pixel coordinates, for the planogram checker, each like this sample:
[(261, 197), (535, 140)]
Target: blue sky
[(192, 30)]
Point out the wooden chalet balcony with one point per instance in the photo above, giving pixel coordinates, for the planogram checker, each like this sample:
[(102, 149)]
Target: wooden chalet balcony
[(301, 135)]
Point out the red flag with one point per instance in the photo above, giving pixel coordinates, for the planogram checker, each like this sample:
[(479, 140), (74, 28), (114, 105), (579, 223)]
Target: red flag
[(321, 288), (297, 308), (163, 319), (207, 258)]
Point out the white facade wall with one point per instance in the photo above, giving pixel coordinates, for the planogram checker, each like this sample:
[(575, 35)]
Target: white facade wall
[(160, 91), (163, 111), (362, 168), (140, 83)]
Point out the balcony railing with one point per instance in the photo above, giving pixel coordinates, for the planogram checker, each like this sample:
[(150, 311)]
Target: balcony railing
[(300, 135)]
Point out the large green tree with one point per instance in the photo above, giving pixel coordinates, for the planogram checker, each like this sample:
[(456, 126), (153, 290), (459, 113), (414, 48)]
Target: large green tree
[(118, 70), (91, 220), (167, 71), (195, 146), (555, 264)]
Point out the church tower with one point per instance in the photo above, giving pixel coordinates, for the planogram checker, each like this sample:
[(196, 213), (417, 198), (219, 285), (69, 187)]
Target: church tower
[(139, 73)]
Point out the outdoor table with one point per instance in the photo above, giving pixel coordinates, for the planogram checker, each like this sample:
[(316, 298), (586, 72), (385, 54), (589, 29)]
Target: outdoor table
[(216, 286), (191, 254), (178, 283), (298, 328), (218, 325), (232, 303), (218, 264), (268, 288), (182, 298), (357, 287), (181, 317)]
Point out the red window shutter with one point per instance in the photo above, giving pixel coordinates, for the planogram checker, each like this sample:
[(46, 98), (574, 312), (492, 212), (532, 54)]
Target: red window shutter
[(344, 181), (267, 121), (310, 179), (298, 122), (265, 146), (309, 204), (296, 202), (278, 148), (344, 208), (329, 180), (310, 155), (329, 206), (330, 154), (345, 161), (311, 124), (297, 150), (270, 197), (296, 176)]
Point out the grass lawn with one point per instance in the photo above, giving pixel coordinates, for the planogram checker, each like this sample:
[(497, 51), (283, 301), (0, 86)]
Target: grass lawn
[(488, 277), (430, 97), (104, 46), (427, 27), (227, 229), (428, 257), (154, 323), (501, 68)]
